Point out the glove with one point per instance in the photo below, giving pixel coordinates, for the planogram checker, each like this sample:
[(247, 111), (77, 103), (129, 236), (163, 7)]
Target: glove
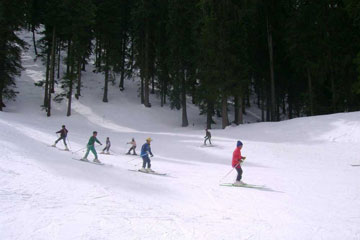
[(152, 155)]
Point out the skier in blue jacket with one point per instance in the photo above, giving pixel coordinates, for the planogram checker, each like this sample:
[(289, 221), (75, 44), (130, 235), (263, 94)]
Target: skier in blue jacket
[(145, 150)]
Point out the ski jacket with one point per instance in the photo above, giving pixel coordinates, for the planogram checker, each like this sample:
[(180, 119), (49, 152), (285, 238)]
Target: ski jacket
[(145, 150), (92, 141), (236, 160), (108, 143), (133, 143), (63, 132)]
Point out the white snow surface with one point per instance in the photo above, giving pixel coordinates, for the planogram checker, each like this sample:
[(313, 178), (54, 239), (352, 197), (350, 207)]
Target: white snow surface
[(312, 191)]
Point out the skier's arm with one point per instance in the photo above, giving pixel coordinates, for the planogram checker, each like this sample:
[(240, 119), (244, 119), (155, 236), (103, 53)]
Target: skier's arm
[(150, 152), (59, 131), (98, 141)]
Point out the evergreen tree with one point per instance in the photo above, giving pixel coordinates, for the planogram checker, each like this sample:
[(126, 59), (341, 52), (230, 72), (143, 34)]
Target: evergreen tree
[(12, 13)]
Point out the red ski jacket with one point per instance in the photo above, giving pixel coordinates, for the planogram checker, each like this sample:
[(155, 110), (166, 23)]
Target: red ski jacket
[(236, 160)]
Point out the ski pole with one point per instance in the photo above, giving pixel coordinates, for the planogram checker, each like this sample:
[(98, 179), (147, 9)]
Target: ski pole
[(229, 172), (79, 150), (133, 159), (68, 142)]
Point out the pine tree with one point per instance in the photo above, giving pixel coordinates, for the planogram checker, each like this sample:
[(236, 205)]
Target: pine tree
[(12, 14)]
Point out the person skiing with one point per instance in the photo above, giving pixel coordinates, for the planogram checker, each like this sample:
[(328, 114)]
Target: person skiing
[(63, 134), (207, 137), (133, 146), (107, 147), (145, 150), (90, 147), (236, 163)]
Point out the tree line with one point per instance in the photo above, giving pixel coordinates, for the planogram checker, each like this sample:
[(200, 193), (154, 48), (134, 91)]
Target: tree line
[(289, 57)]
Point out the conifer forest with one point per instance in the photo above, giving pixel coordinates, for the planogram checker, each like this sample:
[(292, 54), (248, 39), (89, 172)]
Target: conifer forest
[(290, 58)]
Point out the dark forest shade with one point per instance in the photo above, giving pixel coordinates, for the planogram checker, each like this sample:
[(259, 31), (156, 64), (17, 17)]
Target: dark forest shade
[(295, 58)]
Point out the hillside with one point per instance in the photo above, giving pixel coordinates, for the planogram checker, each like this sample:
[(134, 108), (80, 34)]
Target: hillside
[(312, 191)]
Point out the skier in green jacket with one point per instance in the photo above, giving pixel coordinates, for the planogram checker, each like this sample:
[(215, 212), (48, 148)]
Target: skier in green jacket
[(90, 147)]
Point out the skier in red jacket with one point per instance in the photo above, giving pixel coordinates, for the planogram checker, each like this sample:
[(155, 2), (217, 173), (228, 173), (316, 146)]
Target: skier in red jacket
[(236, 162)]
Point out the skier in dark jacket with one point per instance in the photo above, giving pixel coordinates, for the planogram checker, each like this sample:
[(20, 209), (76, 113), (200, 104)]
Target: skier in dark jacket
[(90, 147), (107, 147), (63, 134), (145, 150), (207, 137)]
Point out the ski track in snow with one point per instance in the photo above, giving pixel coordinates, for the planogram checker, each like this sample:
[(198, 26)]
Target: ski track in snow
[(312, 189)]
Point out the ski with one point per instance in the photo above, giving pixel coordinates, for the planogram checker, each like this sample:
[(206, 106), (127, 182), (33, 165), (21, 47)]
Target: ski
[(61, 149), (153, 173), (87, 161), (243, 185), (355, 165)]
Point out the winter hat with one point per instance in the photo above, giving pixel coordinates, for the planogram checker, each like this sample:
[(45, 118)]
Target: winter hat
[(239, 143)]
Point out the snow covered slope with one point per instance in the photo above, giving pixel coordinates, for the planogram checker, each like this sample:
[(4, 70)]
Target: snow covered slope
[(312, 191)]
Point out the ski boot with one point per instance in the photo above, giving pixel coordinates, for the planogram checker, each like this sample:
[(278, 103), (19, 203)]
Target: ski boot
[(96, 160), (143, 170), (149, 170)]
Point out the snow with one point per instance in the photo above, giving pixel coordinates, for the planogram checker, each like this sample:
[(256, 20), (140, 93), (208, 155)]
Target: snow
[(312, 190)]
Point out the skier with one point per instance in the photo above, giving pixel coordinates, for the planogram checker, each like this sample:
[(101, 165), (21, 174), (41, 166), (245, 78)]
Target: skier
[(207, 137), (236, 163), (90, 147), (63, 134), (107, 147), (133, 146), (145, 150)]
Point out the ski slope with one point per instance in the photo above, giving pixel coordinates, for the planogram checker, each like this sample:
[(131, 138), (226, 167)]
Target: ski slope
[(312, 191)]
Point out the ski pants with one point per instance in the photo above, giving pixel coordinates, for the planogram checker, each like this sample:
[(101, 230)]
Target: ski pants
[(63, 138), (240, 172), (207, 138), (92, 149), (132, 148), (107, 148), (146, 160)]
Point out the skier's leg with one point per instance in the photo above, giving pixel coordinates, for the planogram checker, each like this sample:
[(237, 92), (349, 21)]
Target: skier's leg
[(58, 140), (239, 176), (144, 162), (92, 149), (210, 140), (64, 140), (149, 163), (87, 152)]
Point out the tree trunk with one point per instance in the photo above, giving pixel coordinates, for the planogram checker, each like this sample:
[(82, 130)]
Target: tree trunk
[(46, 96), (209, 115), (105, 97), (272, 80), (123, 57), (311, 97), (34, 41), (59, 60), (53, 56), (224, 112), (71, 78), (241, 112), (68, 60), (185, 121), (147, 68), (78, 88)]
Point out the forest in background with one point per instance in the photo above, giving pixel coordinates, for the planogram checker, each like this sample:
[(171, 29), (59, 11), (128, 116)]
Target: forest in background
[(294, 57)]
